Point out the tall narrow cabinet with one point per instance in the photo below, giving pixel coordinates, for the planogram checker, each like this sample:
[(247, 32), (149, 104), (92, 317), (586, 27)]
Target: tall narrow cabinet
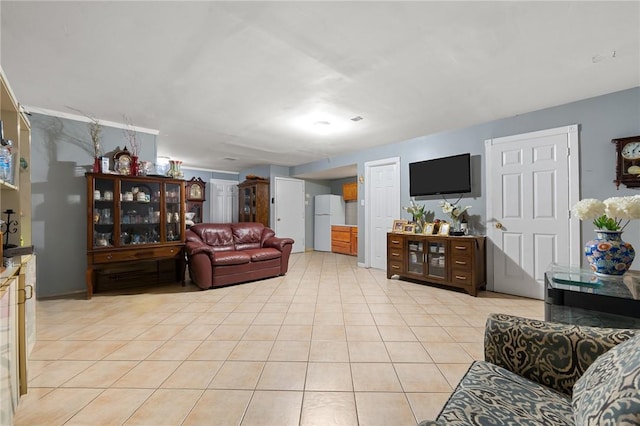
[(253, 199), (134, 219), (17, 280)]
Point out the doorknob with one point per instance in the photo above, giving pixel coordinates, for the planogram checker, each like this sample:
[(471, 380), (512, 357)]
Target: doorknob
[(499, 225), (278, 219)]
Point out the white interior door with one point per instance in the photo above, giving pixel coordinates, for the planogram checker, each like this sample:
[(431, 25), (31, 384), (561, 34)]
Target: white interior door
[(289, 207), (382, 206), (223, 207), (532, 184)]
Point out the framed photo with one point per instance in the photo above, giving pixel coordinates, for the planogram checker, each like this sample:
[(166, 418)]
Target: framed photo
[(398, 225), (444, 228), (428, 228), (409, 228)]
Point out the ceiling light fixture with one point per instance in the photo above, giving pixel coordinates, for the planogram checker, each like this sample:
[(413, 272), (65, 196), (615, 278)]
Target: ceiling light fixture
[(356, 118)]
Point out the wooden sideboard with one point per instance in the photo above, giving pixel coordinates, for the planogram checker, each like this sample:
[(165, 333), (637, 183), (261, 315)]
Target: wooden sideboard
[(452, 261), (344, 239)]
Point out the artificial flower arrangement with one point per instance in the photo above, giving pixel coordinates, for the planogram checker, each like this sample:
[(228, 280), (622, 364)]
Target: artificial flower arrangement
[(609, 214), (453, 210), (419, 214)]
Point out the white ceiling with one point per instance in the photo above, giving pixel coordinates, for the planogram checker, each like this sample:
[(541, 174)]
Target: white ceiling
[(245, 80)]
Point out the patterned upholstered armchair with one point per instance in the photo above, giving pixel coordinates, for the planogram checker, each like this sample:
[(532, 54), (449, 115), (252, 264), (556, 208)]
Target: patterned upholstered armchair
[(541, 373)]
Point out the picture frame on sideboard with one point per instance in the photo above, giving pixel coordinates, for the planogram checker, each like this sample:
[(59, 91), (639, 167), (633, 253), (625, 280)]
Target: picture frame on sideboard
[(398, 225), (444, 229)]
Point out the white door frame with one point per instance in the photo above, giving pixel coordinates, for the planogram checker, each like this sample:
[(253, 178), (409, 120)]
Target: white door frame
[(368, 197), (575, 248)]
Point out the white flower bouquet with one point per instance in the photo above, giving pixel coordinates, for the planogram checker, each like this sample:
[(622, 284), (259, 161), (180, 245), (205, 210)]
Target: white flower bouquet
[(453, 210), (609, 214)]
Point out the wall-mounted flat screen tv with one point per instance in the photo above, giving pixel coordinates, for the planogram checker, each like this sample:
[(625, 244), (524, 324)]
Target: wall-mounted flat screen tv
[(446, 175)]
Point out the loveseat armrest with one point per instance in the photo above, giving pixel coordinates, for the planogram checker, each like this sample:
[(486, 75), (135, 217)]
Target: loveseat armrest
[(278, 243), (552, 354), (194, 247)]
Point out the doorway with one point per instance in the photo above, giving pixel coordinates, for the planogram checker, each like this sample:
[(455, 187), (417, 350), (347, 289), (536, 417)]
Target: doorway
[(381, 206), (532, 182), (289, 211), (223, 207)]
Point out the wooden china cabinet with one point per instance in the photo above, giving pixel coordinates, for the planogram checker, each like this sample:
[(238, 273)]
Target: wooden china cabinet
[(132, 219), (253, 199)]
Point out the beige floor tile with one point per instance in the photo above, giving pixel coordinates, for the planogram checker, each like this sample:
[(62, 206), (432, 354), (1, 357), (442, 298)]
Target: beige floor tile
[(407, 352), (54, 407), (427, 406), (431, 334), (261, 332), (355, 308), (388, 319), (328, 332), (299, 318), (227, 407), (375, 377), (102, 374), (195, 331), (465, 334), (237, 375), (213, 350), (329, 376), (421, 378), (358, 318), (328, 409), (54, 350), (269, 318), (274, 408), (94, 350), (135, 350), (295, 332), (447, 353), (283, 376), (183, 318), (396, 333), (383, 409), (328, 351), (175, 350), (290, 350), (368, 352), (228, 332), (474, 349), (129, 332), (327, 318), (249, 307), (59, 372), (193, 375), (147, 374), (363, 333), (161, 332), (212, 318), (165, 407), (251, 350), (423, 319), (240, 318), (89, 333), (111, 407), (453, 372), (275, 307)]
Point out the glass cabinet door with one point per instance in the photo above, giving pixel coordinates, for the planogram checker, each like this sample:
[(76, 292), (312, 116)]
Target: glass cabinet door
[(103, 213), (415, 261), (436, 256), (172, 212), (139, 213)]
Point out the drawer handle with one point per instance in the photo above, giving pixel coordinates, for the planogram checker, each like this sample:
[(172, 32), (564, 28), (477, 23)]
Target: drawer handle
[(109, 257), (395, 241), (460, 262), (171, 250), (460, 277), (461, 248), (395, 267), (395, 254)]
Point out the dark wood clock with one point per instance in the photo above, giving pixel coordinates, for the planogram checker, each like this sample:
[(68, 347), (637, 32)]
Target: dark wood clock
[(627, 161), (195, 198)]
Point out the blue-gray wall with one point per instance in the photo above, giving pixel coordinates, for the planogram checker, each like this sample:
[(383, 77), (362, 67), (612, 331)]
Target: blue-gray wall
[(59, 160), (600, 119)]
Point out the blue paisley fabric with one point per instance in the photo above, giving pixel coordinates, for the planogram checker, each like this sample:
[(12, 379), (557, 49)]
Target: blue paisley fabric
[(529, 374), (608, 393)]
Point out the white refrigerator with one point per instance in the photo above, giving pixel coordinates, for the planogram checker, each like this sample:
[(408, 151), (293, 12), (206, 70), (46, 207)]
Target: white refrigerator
[(329, 210)]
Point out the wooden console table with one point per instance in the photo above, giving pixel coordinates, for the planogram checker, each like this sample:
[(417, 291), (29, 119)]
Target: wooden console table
[(452, 261)]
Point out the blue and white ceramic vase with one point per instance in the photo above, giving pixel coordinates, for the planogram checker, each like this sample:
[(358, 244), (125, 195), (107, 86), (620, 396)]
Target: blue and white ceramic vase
[(607, 254)]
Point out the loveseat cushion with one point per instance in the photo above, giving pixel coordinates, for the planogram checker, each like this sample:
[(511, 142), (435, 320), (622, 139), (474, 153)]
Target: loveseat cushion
[(608, 393), (492, 395), (258, 255), (222, 258)]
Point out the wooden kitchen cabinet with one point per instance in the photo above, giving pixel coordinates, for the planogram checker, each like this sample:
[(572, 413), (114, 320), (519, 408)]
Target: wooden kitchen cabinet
[(344, 239), (350, 191)]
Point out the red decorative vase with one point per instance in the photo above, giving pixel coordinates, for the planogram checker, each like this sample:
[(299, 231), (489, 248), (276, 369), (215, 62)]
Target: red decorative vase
[(134, 166), (96, 165)]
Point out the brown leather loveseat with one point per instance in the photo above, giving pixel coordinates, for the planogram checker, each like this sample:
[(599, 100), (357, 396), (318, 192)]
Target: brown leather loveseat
[(227, 253)]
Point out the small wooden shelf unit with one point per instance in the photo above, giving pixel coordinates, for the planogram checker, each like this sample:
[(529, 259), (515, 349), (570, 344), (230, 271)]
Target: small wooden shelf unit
[(452, 261)]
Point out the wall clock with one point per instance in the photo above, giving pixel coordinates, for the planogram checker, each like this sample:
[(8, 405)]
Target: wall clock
[(627, 161)]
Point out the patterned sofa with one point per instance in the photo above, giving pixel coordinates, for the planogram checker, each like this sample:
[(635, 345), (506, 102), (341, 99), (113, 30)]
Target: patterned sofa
[(540, 373)]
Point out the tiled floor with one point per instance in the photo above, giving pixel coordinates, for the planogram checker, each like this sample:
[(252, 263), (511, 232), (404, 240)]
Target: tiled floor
[(328, 344)]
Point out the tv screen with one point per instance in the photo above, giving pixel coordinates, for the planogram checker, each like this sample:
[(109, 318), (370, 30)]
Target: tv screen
[(447, 175)]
